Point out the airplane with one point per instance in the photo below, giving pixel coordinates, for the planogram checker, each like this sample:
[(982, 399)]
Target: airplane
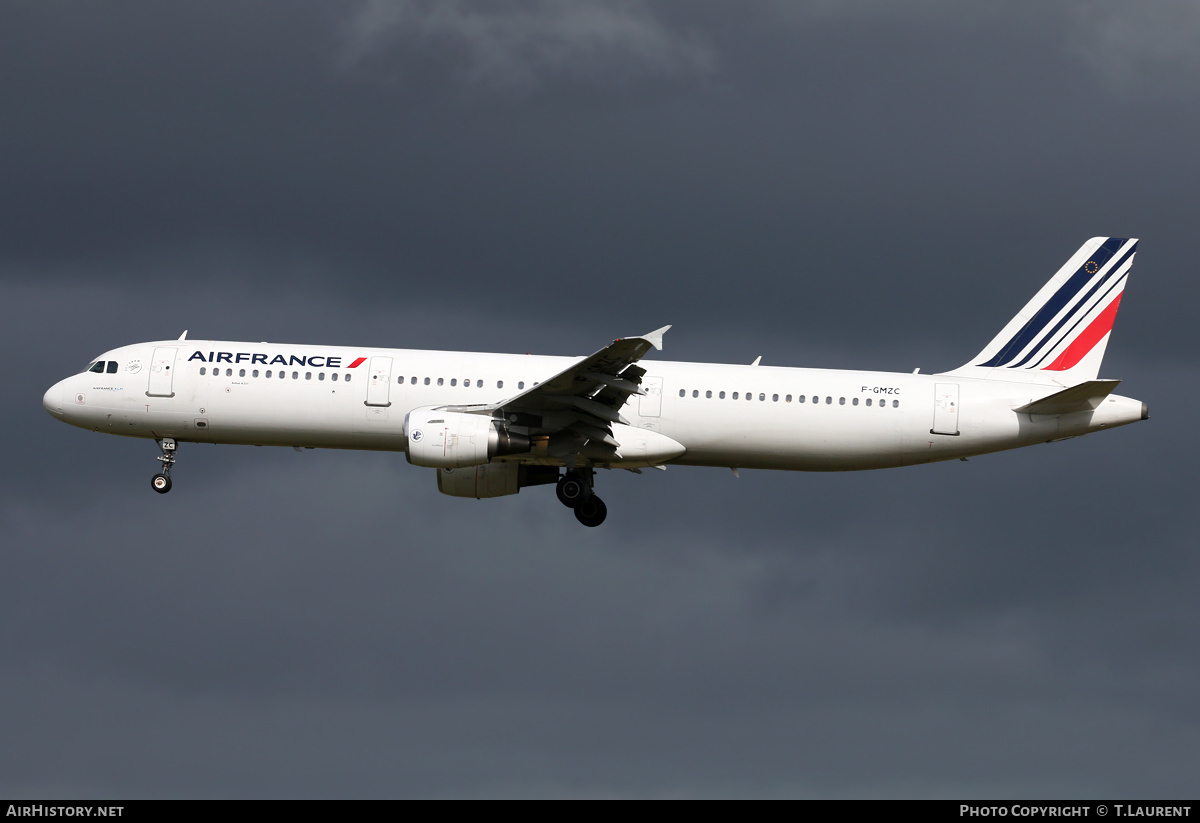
[(493, 424)]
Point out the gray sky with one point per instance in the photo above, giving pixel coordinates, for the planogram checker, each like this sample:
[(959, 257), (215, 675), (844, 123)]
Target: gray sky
[(848, 185)]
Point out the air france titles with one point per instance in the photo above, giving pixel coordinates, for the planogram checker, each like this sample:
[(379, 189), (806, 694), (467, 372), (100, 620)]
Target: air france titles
[(316, 361)]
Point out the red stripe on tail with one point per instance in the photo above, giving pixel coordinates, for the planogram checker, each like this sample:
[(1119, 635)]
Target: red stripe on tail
[(1087, 341)]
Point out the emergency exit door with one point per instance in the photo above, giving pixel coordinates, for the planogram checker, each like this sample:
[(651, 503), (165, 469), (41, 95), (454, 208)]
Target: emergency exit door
[(650, 404)]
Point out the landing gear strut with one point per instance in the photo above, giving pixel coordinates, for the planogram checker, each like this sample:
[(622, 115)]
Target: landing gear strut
[(575, 492), (161, 482)]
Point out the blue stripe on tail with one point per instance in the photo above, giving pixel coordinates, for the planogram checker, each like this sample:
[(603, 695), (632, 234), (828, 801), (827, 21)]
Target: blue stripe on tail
[(1078, 307), (1054, 305)]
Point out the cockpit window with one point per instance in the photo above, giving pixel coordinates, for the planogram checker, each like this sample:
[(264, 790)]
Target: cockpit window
[(97, 367), (112, 367)]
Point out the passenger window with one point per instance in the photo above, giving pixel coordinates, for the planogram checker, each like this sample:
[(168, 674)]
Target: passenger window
[(762, 396), (789, 398), (695, 392), (841, 401), (112, 367), (332, 377), (295, 375), (708, 394), (308, 375), (320, 375), (895, 404), (229, 372), (413, 381), (735, 395), (828, 401), (202, 371), (426, 381), (347, 377), (241, 372), (254, 373), (854, 401), (816, 400), (749, 396), (269, 373), (479, 384), (454, 381), (801, 398), (683, 392), (868, 401), (499, 384), (440, 381), (400, 380), (721, 395), (774, 398)]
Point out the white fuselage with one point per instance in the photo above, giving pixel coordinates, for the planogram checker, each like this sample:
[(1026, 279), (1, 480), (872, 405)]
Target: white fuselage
[(723, 415)]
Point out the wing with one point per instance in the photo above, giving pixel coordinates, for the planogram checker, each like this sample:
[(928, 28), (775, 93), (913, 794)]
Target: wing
[(569, 417)]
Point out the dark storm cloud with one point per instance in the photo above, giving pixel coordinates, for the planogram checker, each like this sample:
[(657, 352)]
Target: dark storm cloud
[(833, 184), (397, 172)]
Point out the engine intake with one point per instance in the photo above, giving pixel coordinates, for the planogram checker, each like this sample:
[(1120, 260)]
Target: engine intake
[(448, 440)]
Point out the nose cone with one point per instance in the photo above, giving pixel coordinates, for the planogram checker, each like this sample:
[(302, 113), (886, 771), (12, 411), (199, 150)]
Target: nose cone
[(52, 400)]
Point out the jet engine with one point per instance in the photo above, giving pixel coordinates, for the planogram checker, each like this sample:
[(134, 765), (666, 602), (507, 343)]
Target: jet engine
[(449, 440), (494, 479)]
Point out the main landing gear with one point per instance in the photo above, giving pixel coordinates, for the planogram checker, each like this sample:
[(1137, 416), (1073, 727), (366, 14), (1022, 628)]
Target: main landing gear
[(575, 492), (161, 482)]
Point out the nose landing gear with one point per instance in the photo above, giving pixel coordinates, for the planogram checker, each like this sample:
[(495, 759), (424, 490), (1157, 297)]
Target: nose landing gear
[(161, 482), (574, 491)]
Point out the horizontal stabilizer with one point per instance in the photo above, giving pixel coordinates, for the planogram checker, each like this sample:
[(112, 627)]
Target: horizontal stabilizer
[(1084, 397)]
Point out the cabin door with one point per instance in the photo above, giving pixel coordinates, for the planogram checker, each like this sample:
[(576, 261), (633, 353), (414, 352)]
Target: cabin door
[(945, 409), (379, 380), (161, 366)]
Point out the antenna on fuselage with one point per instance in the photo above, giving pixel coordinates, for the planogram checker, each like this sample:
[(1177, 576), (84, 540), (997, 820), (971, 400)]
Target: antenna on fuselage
[(184, 335)]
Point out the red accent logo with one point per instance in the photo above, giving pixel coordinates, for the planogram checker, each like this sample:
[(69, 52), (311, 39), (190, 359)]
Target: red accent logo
[(357, 363)]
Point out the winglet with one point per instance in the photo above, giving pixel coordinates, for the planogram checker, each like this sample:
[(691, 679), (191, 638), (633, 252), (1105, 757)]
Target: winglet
[(655, 337)]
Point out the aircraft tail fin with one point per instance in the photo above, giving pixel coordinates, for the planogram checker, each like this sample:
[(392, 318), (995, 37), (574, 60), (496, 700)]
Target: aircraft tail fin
[(1060, 336)]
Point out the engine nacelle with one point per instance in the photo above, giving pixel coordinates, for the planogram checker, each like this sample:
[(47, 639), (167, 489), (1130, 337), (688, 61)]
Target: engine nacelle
[(493, 479), (449, 440)]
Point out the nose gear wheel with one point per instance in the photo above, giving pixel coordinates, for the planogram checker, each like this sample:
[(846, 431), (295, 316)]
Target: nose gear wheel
[(161, 482)]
